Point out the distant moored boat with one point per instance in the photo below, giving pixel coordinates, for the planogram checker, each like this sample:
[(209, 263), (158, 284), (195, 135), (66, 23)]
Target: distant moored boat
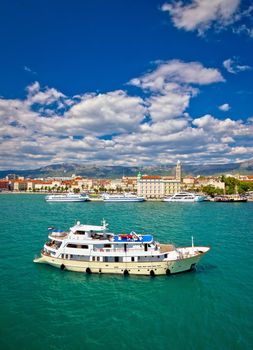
[(127, 197), (185, 197), (67, 197)]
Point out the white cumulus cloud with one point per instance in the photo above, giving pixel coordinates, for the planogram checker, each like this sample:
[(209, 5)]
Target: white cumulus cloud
[(169, 74), (232, 66), (116, 128), (225, 107), (200, 15)]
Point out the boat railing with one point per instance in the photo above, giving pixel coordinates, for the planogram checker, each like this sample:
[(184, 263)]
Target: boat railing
[(52, 245), (121, 250), (44, 252), (56, 235)]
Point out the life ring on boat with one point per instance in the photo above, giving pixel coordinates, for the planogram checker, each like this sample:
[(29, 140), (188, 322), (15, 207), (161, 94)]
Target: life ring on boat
[(88, 271), (152, 273), (62, 267), (168, 272), (125, 272)]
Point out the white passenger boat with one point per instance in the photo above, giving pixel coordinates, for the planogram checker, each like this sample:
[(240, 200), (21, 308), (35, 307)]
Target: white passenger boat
[(127, 197), (67, 197), (93, 249), (185, 197)]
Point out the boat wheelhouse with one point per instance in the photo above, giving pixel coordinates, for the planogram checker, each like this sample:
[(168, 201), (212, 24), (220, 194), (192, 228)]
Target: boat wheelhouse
[(93, 249)]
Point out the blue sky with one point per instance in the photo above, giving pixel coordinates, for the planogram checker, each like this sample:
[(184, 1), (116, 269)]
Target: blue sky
[(125, 82)]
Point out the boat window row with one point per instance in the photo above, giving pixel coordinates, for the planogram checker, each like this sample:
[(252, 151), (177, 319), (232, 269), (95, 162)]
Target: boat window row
[(114, 258), (79, 246)]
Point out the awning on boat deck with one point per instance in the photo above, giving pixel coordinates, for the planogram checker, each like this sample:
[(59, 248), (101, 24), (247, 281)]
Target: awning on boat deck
[(124, 238)]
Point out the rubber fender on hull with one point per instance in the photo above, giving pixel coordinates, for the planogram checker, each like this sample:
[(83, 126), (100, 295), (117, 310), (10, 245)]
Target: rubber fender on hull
[(152, 273), (193, 266), (88, 271), (62, 267), (168, 272)]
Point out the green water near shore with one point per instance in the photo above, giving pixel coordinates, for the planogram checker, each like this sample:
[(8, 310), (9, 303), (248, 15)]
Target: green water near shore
[(46, 308)]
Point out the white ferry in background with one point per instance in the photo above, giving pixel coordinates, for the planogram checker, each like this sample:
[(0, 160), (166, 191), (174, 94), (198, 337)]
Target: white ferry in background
[(185, 197), (67, 197), (126, 197), (92, 249)]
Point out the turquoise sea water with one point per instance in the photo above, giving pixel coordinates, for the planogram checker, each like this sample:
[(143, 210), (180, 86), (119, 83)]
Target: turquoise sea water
[(45, 308)]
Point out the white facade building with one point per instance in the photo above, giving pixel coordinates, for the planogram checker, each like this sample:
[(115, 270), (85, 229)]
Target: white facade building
[(157, 186)]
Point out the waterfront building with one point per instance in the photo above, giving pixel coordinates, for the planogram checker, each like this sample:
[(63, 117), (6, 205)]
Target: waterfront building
[(116, 184), (38, 185), (247, 178), (171, 186), (210, 181), (4, 185), (19, 185), (129, 183), (150, 186), (157, 186), (98, 184), (189, 181)]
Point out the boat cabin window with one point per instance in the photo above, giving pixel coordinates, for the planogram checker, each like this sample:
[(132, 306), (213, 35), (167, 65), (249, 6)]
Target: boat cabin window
[(79, 232), (79, 246), (70, 245), (107, 245)]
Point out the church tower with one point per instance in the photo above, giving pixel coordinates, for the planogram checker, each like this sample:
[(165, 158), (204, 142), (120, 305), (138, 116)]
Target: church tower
[(178, 171)]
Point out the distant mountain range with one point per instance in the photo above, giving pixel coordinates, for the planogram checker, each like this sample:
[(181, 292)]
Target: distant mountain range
[(95, 171)]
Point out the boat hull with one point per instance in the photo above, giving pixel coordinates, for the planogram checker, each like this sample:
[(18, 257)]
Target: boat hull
[(183, 200), (132, 268), (67, 200), (230, 201), (124, 200)]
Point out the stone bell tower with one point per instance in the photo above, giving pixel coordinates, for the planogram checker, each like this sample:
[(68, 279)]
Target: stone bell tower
[(179, 171)]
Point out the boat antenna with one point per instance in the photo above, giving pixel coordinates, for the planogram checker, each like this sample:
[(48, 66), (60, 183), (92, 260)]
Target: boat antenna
[(192, 242), (104, 224)]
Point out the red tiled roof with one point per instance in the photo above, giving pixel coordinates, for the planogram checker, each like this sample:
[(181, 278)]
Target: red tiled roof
[(151, 177), (40, 182)]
